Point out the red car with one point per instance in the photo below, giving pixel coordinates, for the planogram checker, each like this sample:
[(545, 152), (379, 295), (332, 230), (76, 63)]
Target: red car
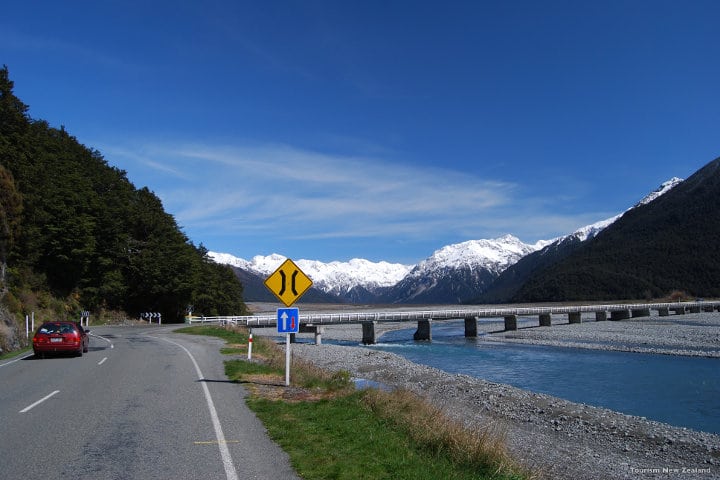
[(61, 337)]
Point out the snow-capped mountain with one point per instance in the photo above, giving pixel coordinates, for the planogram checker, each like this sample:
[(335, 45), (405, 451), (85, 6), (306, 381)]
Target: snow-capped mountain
[(457, 272), (661, 190), (510, 281), (335, 278), (589, 231), (495, 255), (452, 274)]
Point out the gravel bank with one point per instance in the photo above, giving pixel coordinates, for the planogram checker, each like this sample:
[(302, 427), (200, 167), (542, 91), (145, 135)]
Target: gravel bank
[(696, 334), (557, 438)]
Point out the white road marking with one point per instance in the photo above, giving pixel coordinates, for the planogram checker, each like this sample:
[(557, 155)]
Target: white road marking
[(230, 471), (102, 361), (102, 338), (16, 360), (28, 408)]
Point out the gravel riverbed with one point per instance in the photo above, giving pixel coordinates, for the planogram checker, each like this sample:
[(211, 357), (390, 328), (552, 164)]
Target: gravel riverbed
[(556, 438)]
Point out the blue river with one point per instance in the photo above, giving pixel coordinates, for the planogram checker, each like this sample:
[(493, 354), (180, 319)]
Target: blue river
[(681, 391)]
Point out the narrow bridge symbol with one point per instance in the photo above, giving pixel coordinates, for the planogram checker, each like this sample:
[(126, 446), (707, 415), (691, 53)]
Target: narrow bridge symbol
[(292, 283), (288, 283)]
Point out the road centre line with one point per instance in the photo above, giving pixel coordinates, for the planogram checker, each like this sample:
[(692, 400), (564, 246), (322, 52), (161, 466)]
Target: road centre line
[(230, 471), (214, 442), (30, 407)]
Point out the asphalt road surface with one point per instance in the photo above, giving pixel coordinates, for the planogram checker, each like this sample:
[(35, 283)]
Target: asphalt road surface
[(143, 403)]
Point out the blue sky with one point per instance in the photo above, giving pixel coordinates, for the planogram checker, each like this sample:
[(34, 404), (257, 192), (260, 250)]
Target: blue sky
[(377, 129)]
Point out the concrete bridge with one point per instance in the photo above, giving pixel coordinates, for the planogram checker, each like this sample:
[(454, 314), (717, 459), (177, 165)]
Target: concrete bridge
[(314, 322)]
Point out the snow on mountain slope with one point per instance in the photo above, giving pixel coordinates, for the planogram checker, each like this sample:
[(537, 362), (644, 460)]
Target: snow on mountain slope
[(334, 277), (449, 274), (494, 255), (590, 231), (662, 189)]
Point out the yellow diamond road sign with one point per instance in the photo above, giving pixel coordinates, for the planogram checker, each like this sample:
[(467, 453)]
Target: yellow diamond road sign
[(288, 282)]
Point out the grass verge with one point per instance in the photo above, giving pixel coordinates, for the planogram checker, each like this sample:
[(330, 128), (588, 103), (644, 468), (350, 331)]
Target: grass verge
[(332, 431), (14, 353)]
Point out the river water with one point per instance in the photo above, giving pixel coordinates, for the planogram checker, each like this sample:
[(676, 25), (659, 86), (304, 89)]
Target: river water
[(681, 391)]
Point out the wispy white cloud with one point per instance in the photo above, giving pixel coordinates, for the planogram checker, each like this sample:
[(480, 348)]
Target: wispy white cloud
[(280, 190)]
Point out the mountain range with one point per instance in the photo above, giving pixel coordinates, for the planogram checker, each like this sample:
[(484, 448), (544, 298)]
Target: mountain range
[(475, 271)]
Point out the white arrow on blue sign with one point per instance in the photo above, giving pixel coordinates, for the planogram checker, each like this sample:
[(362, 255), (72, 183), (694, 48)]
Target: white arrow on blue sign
[(288, 320)]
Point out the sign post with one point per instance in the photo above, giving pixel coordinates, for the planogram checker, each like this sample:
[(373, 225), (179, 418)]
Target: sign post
[(288, 283), (288, 321)]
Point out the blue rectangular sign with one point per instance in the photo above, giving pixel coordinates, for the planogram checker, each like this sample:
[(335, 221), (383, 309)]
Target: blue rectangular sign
[(288, 320)]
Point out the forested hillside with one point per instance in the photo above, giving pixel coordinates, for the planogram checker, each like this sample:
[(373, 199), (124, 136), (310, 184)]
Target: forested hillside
[(669, 244), (74, 227)]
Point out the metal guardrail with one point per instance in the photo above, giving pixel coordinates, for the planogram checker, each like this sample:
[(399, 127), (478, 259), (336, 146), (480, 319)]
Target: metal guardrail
[(270, 320)]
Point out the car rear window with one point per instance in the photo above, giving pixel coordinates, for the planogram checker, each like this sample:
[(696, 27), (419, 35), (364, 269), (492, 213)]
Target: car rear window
[(56, 328)]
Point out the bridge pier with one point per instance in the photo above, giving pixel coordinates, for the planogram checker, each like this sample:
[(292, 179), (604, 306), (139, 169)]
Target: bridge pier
[(619, 314), (574, 317), (511, 322), (316, 329), (471, 327), (694, 309), (600, 316), (663, 311), (678, 310), (708, 308), (640, 312), (424, 330), (369, 336), (545, 320)]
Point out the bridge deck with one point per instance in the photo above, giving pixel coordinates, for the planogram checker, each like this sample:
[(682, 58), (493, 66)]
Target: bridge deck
[(270, 320)]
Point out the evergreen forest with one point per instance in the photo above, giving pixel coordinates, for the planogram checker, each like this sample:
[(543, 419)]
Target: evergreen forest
[(76, 234)]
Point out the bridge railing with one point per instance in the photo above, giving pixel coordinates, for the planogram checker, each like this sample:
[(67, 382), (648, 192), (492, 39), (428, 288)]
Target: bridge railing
[(270, 320)]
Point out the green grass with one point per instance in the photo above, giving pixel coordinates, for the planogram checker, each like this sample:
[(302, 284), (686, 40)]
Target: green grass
[(238, 369), (342, 438), (360, 435), (236, 337), (229, 335), (14, 353)]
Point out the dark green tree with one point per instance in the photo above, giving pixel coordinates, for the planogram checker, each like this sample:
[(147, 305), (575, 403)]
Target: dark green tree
[(76, 226)]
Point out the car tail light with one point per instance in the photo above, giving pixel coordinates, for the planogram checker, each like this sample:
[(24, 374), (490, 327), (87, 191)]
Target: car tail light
[(39, 339)]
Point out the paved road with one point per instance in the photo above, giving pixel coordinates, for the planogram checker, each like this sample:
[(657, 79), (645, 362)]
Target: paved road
[(143, 403)]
